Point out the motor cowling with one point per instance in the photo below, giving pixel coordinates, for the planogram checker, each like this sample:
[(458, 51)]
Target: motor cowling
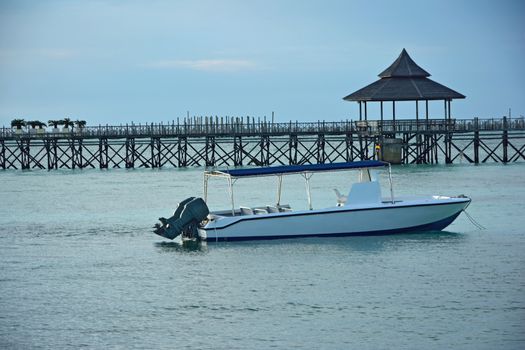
[(185, 220)]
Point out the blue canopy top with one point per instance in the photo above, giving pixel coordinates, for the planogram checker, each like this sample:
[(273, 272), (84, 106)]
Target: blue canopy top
[(294, 169)]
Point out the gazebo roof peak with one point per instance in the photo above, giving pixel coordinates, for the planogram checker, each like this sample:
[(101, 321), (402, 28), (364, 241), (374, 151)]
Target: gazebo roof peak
[(404, 80), (404, 66)]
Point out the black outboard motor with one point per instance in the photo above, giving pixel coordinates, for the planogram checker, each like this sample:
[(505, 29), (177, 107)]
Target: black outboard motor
[(186, 219)]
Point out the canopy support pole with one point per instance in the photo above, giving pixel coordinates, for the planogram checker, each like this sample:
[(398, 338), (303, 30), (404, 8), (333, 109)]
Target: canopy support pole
[(230, 190), (391, 186), (279, 187), (205, 187), (308, 193)]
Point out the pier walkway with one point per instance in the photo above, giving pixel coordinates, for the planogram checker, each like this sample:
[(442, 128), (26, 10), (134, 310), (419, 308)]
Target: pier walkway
[(214, 141)]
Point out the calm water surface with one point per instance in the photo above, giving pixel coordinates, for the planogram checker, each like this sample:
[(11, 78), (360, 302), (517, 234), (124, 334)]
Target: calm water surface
[(79, 267)]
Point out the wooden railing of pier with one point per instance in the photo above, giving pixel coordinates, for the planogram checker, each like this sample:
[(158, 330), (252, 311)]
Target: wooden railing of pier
[(213, 141), (208, 126)]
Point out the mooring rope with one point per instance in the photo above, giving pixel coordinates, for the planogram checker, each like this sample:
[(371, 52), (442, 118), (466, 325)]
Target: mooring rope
[(474, 222)]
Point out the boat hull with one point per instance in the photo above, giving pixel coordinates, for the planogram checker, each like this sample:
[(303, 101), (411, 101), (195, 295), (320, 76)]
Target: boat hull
[(339, 221)]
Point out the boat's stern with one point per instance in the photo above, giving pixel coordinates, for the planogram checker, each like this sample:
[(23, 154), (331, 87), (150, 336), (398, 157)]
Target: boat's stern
[(189, 216)]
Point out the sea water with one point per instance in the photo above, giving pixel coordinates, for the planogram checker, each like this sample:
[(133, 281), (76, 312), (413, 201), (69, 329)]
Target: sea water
[(80, 267)]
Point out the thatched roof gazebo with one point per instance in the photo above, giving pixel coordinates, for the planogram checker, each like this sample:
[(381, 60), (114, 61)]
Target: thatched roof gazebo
[(404, 80)]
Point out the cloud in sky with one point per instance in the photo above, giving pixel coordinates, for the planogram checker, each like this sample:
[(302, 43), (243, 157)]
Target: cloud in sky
[(210, 65), (51, 53), (56, 53)]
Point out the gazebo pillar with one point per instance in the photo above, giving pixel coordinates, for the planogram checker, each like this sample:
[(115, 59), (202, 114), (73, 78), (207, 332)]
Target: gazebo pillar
[(381, 108), (394, 115), (417, 115), (366, 117), (426, 112), (448, 135), (360, 112), (418, 136)]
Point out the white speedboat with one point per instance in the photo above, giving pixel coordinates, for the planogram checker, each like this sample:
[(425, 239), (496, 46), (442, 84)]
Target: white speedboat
[(364, 211)]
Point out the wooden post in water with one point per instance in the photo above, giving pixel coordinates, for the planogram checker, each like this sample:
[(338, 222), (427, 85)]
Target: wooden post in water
[(210, 151), (432, 147), (182, 151), (505, 140), (448, 139), (476, 140), (406, 149), (321, 157), (349, 147), (237, 150), (51, 153), (76, 153), (264, 149), (418, 136), (292, 149), (450, 130), (361, 153), (23, 145), (103, 153), (155, 152), (2, 154), (54, 149), (130, 152)]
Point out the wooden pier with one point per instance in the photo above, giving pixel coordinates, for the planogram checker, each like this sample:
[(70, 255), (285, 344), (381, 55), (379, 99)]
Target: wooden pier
[(212, 141)]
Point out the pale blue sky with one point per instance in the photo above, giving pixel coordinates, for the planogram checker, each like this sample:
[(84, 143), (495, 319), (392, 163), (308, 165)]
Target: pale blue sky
[(149, 61)]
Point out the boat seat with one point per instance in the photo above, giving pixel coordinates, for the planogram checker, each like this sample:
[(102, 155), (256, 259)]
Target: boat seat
[(272, 209), (284, 207), (259, 211), (341, 198), (246, 211)]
